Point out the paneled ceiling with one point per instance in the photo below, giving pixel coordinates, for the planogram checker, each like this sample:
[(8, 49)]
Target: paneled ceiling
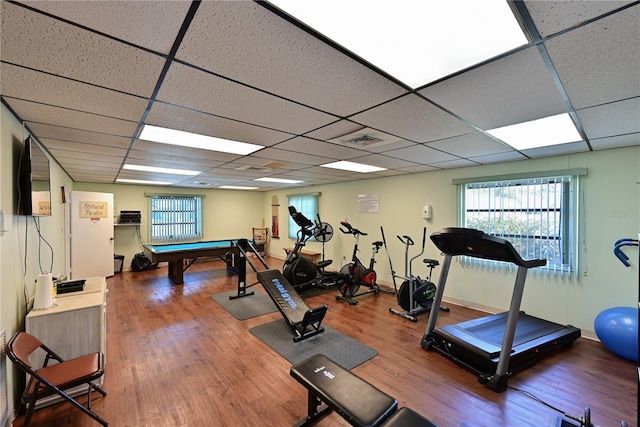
[(85, 76)]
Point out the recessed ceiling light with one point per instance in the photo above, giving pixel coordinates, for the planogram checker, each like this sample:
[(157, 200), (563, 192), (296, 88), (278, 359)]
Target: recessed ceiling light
[(353, 167), (194, 140), (415, 41), (141, 181), (160, 170), (235, 187), (279, 180), (544, 132)]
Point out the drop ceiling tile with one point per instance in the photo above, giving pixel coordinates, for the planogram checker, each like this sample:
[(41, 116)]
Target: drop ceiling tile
[(150, 24), (40, 42), (265, 51), (334, 130), (452, 164), (256, 159), (258, 162), (616, 118), (384, 161), (551, 17), (513, 89), (206, 124), (151, 176), (326, 172), (421, 154), (57, 91), (412, 118), (44, 131), (470, 145), (418, 169), (325, 149), (83, 147), (510, 156), (628, 140), (81, 158), (599, 63), (100, 169), (63, 117), (556, 150), (290, 156), (150, 150), (185, 85), (146, 159)]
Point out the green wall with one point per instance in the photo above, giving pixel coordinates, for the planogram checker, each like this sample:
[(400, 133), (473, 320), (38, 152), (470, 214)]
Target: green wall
[(610, 210)]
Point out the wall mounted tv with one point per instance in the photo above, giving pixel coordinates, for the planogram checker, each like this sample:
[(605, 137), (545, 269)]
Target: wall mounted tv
[(34, 189)]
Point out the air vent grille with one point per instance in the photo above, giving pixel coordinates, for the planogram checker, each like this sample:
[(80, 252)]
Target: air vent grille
[(365, 138)]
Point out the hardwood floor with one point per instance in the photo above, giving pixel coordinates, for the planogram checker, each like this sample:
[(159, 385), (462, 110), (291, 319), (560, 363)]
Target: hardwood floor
[(175, 357)]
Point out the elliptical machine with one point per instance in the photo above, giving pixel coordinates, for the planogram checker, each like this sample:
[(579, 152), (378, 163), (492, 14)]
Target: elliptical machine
[(300, 271), (355, 273), (415, 295)]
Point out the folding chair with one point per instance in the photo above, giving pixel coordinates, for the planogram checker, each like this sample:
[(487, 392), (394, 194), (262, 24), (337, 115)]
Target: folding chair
[(56, 378)]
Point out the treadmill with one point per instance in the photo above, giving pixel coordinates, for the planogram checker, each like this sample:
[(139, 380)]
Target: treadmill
[(496, 346)]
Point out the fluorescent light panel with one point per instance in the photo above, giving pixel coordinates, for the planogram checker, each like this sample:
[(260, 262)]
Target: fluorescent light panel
[(553, 130), (194, 140), (416, 41), (353, 167), (160, 170), (140, 181), (235, 187), (279, 180)]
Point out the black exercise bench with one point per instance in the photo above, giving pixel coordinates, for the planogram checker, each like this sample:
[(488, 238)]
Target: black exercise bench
[(304, 322), (354, 399)]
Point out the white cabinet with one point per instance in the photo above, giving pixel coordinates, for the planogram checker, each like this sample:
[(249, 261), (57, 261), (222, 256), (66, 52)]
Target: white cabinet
[(74, 326)]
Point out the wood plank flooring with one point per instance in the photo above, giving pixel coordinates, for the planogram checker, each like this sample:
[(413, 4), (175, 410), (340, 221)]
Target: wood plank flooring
[(175, 357)]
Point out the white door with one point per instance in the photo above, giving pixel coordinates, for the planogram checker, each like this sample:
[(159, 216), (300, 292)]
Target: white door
[(91, 216)]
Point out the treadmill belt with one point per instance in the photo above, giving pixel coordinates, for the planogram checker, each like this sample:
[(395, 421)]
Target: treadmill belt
[(529, 328), (486, 333)]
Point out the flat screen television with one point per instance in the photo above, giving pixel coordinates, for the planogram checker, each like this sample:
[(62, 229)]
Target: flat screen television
[(34, 182)]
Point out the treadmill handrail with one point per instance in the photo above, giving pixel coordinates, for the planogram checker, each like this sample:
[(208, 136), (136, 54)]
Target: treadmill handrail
[(475, 243)]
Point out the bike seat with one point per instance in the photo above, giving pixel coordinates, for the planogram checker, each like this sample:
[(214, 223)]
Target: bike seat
[(323, 264), (377, 244), (430, 262)]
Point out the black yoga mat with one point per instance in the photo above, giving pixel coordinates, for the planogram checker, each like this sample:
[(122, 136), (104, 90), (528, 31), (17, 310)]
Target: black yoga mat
[(246, 307), (338, 347)]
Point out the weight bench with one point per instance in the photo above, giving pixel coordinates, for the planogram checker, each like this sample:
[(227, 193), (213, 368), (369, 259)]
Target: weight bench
[(354, 399), (304, 322)]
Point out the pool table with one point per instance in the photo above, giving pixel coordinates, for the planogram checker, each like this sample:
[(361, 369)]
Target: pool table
[(176, 253)]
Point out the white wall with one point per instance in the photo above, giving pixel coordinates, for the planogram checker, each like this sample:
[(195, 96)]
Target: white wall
[(610, 210)]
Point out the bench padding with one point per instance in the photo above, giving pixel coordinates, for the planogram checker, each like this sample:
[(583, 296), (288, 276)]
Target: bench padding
[(289, 302), (357, 401), (303, 321), (406, 417)]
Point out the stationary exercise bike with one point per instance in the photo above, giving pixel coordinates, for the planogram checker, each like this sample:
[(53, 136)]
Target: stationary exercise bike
[(355, 273), (415, 295), (300, 271)]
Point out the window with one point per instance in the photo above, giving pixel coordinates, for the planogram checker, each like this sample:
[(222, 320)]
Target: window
[(175, 218), (538, 215), (305, 203)]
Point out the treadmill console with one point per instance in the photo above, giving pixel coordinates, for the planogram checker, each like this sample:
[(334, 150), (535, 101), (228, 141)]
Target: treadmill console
[(475, 243)]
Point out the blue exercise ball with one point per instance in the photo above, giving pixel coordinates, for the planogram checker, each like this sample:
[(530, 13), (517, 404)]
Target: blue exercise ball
[(617, 329)]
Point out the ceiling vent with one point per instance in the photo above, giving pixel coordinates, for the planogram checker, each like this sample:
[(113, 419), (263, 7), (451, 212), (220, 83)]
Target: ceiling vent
[(274, 164), (251, 168), (365, 138)]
